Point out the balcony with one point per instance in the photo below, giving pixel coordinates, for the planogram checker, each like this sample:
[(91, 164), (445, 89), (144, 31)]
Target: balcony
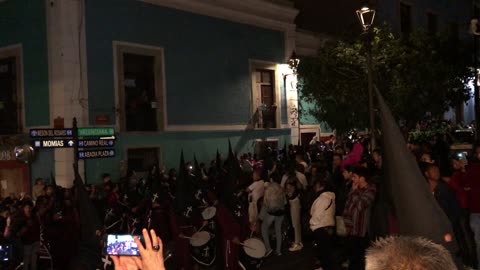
[(266, 116)]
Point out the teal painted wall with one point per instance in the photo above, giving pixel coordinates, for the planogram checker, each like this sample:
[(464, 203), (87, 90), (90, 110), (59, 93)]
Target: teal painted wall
[(203, 144), (306, 118), (43, 166), (206, 59), (207, 73), (24, 22)]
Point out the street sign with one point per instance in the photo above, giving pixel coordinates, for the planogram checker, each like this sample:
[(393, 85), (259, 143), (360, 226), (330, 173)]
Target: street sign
[(50, 133), (100, 153), (96, 132), (53, 143), (96, 143)]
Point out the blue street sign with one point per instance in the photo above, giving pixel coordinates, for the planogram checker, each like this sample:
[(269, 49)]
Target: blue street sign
[(100, 153), (53, 143), (51, 133), (96, 143)]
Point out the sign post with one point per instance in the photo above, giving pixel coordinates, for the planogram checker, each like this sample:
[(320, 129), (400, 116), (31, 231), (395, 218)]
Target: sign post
[(75, 147)]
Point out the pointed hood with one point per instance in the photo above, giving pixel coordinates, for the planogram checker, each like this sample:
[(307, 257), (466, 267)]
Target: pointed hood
[(229, 183), (89, 224), (198, 172), (417, 212), (183, 189), (218, 161)]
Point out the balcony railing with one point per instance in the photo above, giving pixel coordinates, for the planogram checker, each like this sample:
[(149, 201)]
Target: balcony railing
[(267, 116)]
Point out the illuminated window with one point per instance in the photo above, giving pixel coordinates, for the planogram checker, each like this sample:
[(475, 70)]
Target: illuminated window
[(265, 81)]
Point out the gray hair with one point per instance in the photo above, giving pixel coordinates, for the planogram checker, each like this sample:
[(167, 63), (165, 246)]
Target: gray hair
[(408, 253)]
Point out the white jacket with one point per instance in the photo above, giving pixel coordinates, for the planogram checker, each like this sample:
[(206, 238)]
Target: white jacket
[(323, 211)]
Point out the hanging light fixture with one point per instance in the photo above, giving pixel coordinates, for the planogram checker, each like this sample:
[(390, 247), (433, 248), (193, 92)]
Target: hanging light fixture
[(293, 62), (366, 16)]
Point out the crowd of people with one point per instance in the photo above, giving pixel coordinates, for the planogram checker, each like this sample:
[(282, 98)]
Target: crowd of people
[(332, 194)]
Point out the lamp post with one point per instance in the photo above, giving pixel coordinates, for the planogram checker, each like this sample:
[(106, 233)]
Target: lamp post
[(366, 16)]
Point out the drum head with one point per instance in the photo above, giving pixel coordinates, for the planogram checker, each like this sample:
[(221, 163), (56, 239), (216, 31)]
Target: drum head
[(254, 248), (200, 238), (209, 213)]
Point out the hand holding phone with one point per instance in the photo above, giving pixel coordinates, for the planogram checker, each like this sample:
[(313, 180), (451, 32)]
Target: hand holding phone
[(121, 245), (151, 252)]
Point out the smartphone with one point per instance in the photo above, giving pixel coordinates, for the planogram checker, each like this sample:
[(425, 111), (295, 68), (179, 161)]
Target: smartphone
[(462, 155), (5, 253), (121, 245)]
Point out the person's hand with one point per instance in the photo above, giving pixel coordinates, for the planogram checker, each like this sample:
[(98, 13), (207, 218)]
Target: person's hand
[(253, 227), (235, 240), (354, 186), (126, 262), (152, 252)]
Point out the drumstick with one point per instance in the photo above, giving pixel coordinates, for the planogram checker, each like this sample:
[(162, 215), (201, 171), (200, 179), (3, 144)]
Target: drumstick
[(203, 226), (186, 237), (242, 244)]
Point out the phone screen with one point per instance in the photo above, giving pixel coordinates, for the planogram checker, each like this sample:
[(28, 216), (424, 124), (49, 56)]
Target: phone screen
[(5, 253), (462, 155), (122, 245)]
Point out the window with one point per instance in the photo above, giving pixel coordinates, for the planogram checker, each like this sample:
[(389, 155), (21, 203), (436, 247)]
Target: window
[(432, 23), (265, 84), (261, 146), (9, 96), (405, 18), (140, 88), (141, 160)]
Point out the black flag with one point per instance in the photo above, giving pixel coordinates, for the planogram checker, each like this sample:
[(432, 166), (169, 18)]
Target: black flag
[(417, 212)]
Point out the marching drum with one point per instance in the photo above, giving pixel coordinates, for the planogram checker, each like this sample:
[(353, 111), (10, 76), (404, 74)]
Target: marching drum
[(203, 248), (253, 252), (209, 213)]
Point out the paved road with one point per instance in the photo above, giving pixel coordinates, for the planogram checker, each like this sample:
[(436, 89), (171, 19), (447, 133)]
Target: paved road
[(302, 260)]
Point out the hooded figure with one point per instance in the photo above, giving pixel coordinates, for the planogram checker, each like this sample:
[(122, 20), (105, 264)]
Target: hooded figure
[(89, 249)]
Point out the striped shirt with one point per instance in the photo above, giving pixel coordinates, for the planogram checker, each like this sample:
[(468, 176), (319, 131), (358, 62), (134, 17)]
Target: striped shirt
[(357, 210)]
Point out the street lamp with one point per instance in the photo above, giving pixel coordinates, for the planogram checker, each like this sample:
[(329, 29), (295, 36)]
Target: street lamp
[(366, 16), (293, 62)]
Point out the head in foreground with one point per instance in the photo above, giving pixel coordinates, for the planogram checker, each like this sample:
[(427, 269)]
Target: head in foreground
[(408, 253)]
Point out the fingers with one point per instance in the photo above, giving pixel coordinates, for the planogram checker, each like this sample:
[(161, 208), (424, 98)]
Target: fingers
[(140, 247), (116, 261), (148, 241), (156, 240), (160, 244), (138, 262)]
